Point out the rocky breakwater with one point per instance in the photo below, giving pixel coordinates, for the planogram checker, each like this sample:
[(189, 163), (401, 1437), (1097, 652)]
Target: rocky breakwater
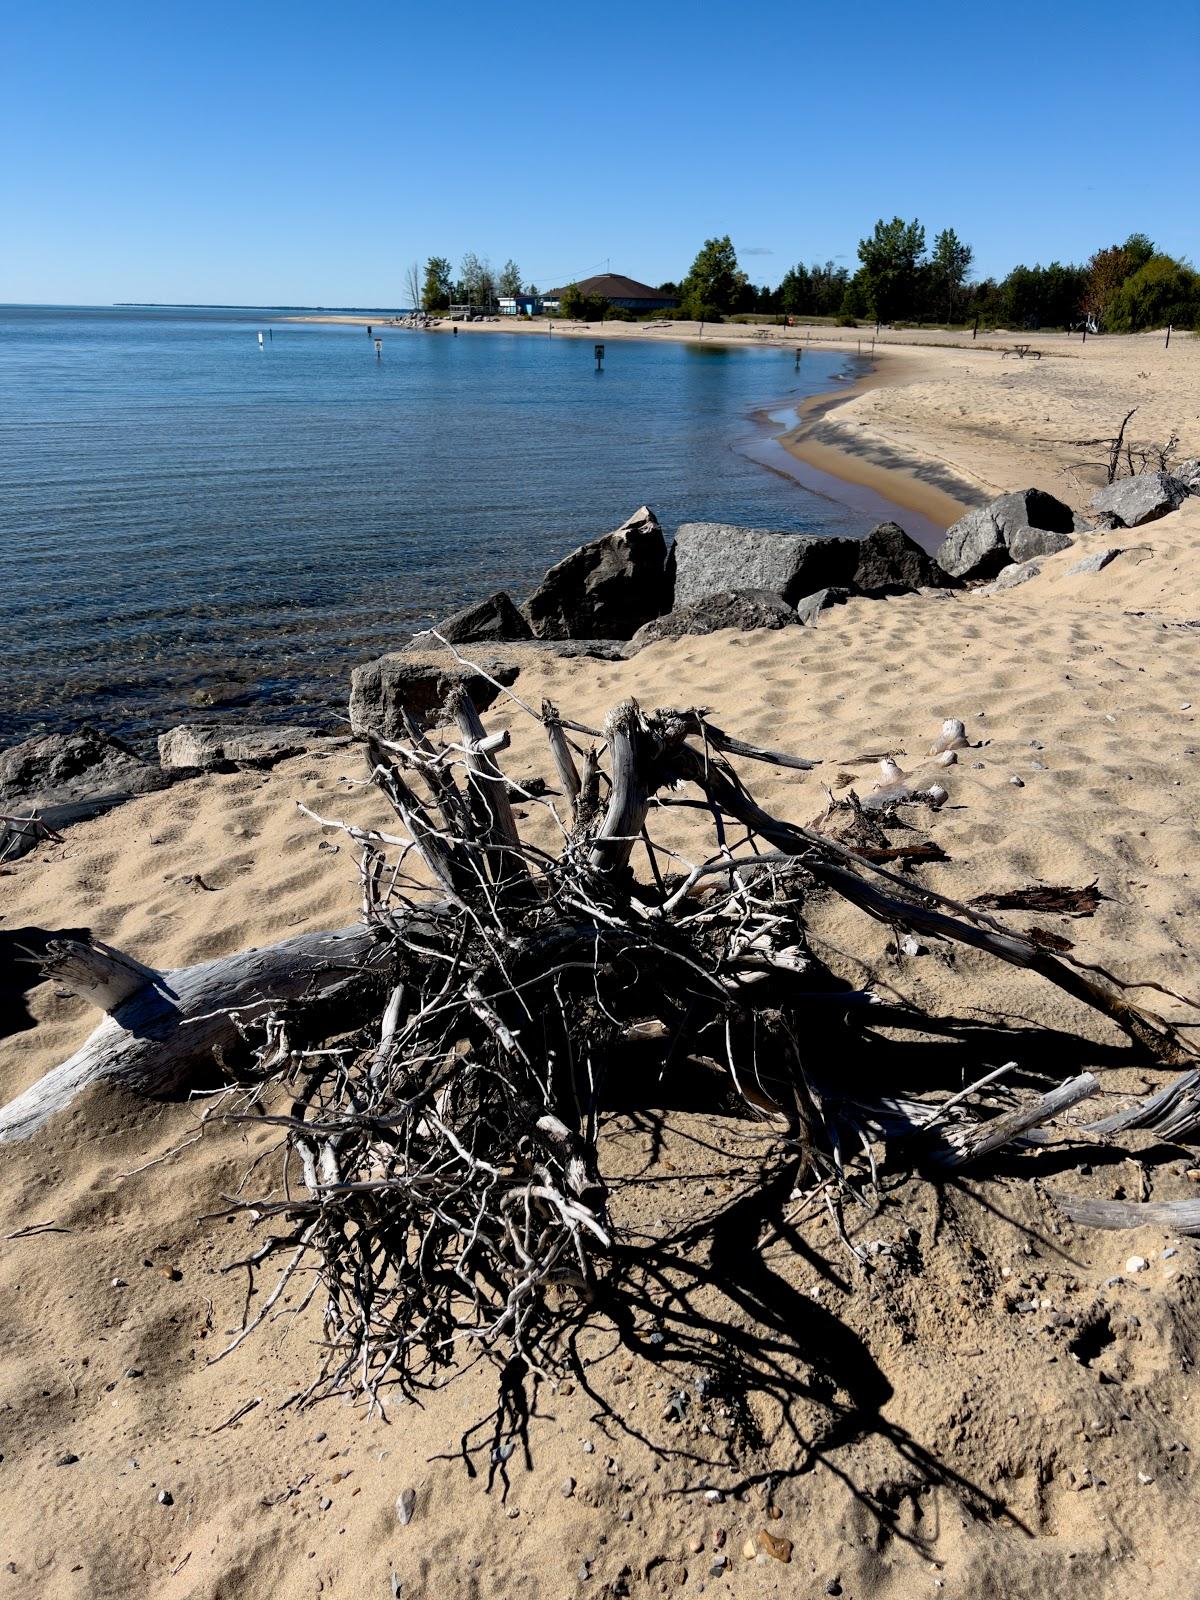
[(53, 780), (1002, 543), (628, 589)]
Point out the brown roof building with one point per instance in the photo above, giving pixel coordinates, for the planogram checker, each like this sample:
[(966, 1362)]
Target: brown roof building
[(618, 291)]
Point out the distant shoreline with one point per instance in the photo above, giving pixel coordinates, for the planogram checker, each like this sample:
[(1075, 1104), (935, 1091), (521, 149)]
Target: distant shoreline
[(903, 481)]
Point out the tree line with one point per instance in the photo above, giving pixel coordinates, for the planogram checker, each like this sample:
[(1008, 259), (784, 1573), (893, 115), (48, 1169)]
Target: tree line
[(1121, 288)]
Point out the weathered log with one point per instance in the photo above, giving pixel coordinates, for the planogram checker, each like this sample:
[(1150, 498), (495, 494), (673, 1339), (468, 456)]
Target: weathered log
[(560, 749), (633, 781), (502, 841), (1182, 1216), (161, 1036), (963, 1145)]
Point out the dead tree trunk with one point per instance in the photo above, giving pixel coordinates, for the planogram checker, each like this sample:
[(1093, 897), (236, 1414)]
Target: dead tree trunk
[(163, 1031)]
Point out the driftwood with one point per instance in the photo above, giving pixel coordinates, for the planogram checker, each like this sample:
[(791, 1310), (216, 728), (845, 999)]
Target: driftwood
[(447, 1063), (162, 1032)]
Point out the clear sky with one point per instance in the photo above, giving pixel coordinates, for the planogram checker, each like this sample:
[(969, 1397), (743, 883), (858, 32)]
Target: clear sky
[(262, 153)]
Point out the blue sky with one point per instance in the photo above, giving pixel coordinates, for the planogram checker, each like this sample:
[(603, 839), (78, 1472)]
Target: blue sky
[(304, 154)]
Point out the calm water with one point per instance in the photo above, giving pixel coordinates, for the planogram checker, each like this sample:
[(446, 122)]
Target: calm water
[(188, 521)]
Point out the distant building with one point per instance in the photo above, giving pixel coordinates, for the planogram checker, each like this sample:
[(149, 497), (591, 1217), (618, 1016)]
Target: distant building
[(520, 305), (618, 291)]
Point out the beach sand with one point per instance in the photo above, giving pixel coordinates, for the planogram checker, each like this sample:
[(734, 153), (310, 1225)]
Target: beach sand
[(916, 1433)]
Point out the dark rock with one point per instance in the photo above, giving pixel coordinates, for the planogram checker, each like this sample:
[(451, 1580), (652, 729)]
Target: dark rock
[(493, 618), (606, 589), (1106, 522), (1143, 498), (976, 546), (714, 557), (744, 609), (889, 562), (210, 746), (810, 608), (1027, 543), (84, 762), (381, 690), (65, 778)]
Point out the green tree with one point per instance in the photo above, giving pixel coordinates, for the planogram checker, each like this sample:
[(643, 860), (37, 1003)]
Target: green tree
[(950, 264), (795, 291), (1138, 248), (438, 287), (478, 285), (510, 278), (891, 261), (1106, 272), (582, 307), (716, 284), (1161, 291)]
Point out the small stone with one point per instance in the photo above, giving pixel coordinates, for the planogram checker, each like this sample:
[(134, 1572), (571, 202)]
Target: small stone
[(588, 1447), (1136, 1264), (171, 1274), (68, 1460), (568, 1488), (502, 1452), (119, 1283), (713, 1496), (774, 1513), (165, 1497), (718, 1566), (833, 1587), (1145, 1477), (627, 1516), (696, 1544), (771, 1545), (406, 1505), (585, 1571), (1017, 783), (912, 947), (326, 1502), (320, 1438), (719, 1539), (133, 1372), (749, 1549)]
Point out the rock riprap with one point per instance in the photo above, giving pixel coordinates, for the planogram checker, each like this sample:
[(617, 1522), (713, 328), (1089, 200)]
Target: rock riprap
[(607, 589)]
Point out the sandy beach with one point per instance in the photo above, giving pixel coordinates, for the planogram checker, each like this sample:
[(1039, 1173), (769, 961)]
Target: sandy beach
[(910, 1430)]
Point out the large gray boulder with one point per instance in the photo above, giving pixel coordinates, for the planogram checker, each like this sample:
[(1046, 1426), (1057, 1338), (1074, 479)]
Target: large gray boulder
[(65, 778), (889, 562), (715, 557), (743, 609), (493, 618), (606, 589), (213, 746), (1143, 498), (1028, 543), (976, 546), (381, 691), (85, 761)]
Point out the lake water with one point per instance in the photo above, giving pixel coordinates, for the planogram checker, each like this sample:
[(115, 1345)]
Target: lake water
[(189, 521)]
